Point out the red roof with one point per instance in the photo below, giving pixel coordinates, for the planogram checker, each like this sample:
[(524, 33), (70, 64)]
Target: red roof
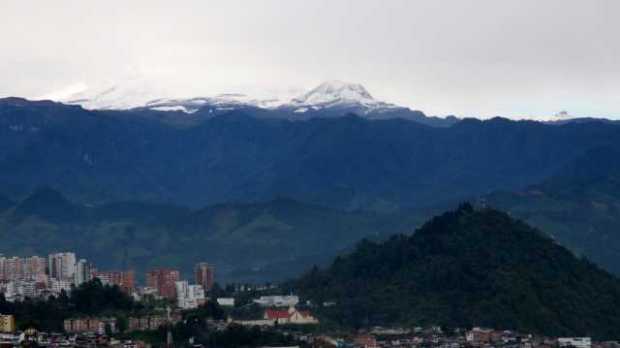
[(277, 314)]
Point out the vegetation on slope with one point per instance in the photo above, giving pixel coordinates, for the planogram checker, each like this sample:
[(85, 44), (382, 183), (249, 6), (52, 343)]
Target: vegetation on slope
[(261, 241), (579, 207), (464, 268)]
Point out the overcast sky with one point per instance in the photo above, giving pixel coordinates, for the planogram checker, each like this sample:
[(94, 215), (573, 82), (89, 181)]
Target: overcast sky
[(469, 58)]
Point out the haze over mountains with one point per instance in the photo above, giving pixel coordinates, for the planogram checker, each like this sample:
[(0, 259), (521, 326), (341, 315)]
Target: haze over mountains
[(247, 154), (401, 168)]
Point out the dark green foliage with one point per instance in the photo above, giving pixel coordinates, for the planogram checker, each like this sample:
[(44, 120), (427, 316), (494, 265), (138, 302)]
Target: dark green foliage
[(468, 268), (93, 298), (262, 241), (234, 336), (209, 310), (238, 336), (89, 299), (248, 311)]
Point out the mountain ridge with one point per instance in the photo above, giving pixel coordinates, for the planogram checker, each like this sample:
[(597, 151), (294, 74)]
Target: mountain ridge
[(265, 241), (329, 99), (344, 162), (467, 268), (578, 205)]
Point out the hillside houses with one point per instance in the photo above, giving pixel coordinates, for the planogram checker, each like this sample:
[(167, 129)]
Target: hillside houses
[(290, 316)]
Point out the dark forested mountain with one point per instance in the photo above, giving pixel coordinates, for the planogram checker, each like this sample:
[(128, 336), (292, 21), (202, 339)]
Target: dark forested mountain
[(469, 267), (579, 206), (5, 203), (262, 241), (245, 156)]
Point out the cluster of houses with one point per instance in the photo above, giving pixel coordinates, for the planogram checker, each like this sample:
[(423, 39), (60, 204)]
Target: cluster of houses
[(280, 310), (96, 325), (32, 338), (109, 325), (434, 337)]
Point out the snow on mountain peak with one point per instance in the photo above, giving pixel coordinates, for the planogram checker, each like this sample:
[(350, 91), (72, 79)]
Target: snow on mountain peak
[(139, 92), (336, 92)]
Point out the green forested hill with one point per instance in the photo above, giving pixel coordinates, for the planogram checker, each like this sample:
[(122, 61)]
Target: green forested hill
[(262, 241), (469, 267)]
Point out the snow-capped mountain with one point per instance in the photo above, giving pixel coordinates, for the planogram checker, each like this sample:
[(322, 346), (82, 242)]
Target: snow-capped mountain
[(221, 102), (329, 99), (338, 94), (132, 92), (137, 93)]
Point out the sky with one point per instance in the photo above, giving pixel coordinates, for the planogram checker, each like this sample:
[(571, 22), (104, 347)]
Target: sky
[(478, 58)]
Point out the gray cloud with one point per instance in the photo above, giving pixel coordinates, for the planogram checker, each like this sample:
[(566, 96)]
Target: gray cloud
[(475, 58)]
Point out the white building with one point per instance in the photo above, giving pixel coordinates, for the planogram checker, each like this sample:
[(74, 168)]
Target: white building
[(56, 286), (189, 296), (82, 272), (26, 289), (62, 265), (226, 301), (577, 342), (10, 292), (278, 301)]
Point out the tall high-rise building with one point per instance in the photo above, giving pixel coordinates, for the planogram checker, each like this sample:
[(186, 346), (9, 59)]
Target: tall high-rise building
[(12, 268), (163, 280), (62, 265), (33, 268), (2, 262), (17, 268), (204, 274), (82, 272)]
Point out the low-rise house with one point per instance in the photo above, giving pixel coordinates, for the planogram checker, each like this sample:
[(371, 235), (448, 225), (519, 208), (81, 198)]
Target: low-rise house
[(290, 316), (278, 301), (97, 325), (577, 342), (478, 336), (226, 301), (151, 322)]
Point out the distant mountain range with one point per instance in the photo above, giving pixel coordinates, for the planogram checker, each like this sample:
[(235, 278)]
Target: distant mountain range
[(329, 99), (468, 268), (249, 154), (560, 177), (263, 242), (579, 206)]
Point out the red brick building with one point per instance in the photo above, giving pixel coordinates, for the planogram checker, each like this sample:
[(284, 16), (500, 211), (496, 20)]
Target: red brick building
[(124, 280), (163, 280), (204, 274)]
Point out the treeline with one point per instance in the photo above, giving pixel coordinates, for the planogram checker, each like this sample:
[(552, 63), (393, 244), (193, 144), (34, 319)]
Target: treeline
[(198, 328), (468, 268), (89, 299), (233, 336)]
